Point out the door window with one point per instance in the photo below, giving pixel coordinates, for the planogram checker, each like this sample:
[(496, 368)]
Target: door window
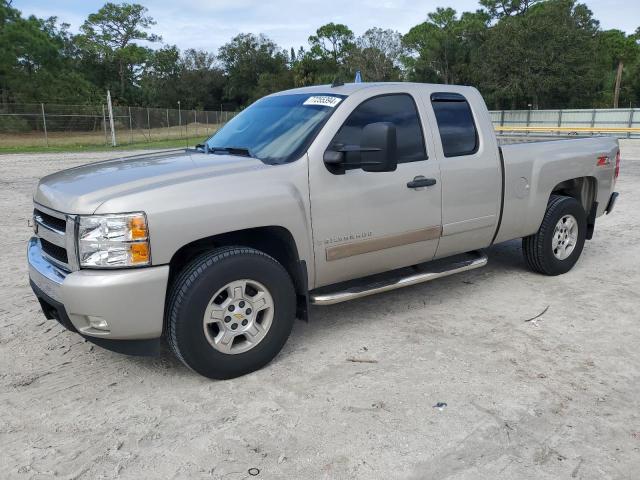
[(398, 109), (455, 122)]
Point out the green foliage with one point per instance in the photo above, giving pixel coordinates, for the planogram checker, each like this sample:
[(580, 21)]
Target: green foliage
[(252, 63), (560, 70), (33, 65), (443, 46), (377, 54), (506, 8), (519, 53), (108, 42)]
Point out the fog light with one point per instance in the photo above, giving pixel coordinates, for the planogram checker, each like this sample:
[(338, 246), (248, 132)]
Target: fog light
[(98, 323)]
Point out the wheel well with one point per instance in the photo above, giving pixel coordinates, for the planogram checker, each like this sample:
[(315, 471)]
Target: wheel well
[(583, 189), (275, 241)]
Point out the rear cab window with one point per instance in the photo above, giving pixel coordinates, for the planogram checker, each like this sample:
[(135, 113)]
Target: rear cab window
[(457, 128), (400, 110)]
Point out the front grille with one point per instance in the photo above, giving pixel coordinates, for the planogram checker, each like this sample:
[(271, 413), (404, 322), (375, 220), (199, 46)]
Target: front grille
[(51, 229), (54, 251), (59, 224)]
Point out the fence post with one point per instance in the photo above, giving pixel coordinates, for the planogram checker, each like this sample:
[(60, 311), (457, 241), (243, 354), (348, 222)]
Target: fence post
[(104, 127), (528, 120), (206, 122), (593, 118), (130, 128), (168, 126), (195, 121), (179, 119), (502, 118), (148, 124), (559, 121), (44, 125), (630, 122), (113, 130)]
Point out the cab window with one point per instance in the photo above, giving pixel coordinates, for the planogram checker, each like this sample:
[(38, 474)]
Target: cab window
[(458, 131), (398, 109)]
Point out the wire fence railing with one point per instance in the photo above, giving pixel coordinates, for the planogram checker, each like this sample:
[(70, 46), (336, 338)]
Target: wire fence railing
[(618, 122), (54, 125)]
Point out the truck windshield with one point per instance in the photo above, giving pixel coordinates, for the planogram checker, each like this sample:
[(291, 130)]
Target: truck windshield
[(275, 129)]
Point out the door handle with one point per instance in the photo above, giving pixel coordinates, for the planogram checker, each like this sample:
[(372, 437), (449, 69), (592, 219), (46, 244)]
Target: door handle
[(420, 181)]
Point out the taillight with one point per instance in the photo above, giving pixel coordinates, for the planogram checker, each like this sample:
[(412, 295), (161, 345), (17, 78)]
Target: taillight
[(617, 171)]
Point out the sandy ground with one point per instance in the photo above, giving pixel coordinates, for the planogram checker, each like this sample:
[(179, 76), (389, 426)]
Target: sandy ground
[(554, 398)]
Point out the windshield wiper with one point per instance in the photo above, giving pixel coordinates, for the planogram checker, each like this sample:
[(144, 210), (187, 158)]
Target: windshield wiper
[(241, 151)]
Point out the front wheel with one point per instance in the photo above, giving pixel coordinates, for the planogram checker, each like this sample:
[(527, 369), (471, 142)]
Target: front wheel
[(230, 312), (557, 245)]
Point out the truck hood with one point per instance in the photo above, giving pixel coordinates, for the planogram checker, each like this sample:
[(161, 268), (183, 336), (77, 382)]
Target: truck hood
[(81, 190)]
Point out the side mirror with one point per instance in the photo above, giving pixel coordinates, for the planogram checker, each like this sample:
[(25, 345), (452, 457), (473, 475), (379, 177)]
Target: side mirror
[(379, 148), (377, 151)]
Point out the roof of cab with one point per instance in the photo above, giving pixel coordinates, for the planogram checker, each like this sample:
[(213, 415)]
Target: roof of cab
[(345, 89), (350, 88)]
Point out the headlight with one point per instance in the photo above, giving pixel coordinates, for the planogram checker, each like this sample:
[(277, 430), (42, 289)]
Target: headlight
[(113, 241)]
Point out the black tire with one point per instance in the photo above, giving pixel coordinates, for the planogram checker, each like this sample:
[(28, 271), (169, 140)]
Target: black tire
[(537, 248), (191, 293)]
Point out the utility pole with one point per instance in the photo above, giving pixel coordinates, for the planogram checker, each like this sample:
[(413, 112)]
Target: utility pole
[(179, 118), (44, 124), (616, 92), (110, 108)]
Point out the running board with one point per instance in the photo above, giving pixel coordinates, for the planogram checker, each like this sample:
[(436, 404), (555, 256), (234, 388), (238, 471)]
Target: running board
[(396, 279)]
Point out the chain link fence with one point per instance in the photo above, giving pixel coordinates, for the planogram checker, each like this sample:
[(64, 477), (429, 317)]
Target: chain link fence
[(53, 125)]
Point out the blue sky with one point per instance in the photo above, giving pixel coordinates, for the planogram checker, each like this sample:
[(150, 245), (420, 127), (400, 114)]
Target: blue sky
[(208, 24)]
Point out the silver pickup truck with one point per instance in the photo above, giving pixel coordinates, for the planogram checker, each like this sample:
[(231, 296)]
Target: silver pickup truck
[(309, 196)]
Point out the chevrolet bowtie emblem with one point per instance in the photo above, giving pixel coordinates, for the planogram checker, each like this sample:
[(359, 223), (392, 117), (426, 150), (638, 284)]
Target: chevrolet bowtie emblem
[(239, 316)]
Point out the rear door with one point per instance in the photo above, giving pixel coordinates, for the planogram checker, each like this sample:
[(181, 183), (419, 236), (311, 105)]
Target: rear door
[(369, 222), (469, 168)]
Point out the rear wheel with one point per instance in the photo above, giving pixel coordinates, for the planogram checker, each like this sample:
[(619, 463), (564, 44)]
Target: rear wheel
[(557, 245), (230, 312)]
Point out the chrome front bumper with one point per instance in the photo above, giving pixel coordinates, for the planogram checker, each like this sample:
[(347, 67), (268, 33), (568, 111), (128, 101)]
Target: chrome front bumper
[(130, 301)]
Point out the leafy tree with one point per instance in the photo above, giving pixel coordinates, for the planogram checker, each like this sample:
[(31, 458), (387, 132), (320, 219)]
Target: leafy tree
[(332, 42), (110, 36), (618, 49), (543, 53), (33, 65), (544, 58), (202, 81), (441, 48), (506, 8), (246, 59), (160, 81), (377, 55)]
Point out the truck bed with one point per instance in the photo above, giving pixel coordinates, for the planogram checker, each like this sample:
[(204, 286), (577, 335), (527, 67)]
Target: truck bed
[(533, 170), (516, 139)]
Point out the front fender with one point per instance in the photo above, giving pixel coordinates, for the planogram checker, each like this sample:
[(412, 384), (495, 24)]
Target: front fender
[(181, 213)]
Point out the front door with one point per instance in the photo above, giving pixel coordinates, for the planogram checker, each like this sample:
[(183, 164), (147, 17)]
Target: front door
[(369, 222)]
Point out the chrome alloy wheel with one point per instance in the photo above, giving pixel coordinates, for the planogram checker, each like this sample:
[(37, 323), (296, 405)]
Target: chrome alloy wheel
[(238, 316), (565, 237)]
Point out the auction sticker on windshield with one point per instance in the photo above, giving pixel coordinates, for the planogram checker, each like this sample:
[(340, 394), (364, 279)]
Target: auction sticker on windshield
[(323, 100)]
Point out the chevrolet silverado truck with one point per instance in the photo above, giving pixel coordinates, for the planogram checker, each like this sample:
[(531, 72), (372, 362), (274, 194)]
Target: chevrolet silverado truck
[(315, 195)]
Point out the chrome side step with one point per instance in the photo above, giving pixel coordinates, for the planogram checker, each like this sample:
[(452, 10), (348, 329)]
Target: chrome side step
[(397, 279)]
